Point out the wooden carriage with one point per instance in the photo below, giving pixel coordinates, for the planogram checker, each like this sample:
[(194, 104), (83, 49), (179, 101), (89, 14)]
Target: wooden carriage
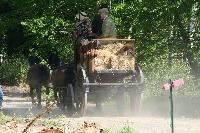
[(109, 63)]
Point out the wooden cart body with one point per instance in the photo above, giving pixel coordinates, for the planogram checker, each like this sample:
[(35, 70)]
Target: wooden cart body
[(106, 77), (104, 80)]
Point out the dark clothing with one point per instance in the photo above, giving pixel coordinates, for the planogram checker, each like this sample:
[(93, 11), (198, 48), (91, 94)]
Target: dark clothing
[(82, 29), (97, 25)]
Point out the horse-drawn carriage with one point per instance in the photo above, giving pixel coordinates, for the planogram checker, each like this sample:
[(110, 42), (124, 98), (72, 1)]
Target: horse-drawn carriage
[(104, 65)]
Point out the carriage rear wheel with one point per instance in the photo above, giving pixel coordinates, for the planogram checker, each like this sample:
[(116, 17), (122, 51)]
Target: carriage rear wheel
[(120, 101), (135, 100), (137, 91)]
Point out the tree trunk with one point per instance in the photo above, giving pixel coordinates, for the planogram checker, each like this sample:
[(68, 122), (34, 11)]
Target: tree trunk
[(188, 51)]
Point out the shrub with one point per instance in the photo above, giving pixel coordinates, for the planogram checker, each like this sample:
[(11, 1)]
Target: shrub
[(13, 71), (158, 72)]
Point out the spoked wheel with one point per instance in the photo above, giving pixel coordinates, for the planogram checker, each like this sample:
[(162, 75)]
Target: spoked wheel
[(120, 101), (98, 100), (81, 91), (135, 100), (136, 92)]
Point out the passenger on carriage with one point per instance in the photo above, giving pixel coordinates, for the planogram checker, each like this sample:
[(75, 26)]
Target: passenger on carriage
[(82, 27), (108, 26), (81, 33), (97, 22), (102, 25)]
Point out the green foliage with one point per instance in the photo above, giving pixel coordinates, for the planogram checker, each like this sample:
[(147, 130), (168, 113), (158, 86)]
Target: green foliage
[(13, 71), (48, 98), (50, 34), (125, 129), (161, 28), (44, 121), (4, 119), (158, 72), (106, 130)]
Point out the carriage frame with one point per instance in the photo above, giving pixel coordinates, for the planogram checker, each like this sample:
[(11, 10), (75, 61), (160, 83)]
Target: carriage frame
[(90, 76)]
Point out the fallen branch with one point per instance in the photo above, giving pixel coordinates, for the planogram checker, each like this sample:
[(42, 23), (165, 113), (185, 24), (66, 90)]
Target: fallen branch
[(38, 116)]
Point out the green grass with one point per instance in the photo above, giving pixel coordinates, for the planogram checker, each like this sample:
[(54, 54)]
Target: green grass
[(59, 123), (127, 129), (4, 119), (124, 129), (40, 121)]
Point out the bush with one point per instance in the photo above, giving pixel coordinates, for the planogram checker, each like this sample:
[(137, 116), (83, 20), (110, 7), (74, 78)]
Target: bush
[(13, 71), (158, 72)]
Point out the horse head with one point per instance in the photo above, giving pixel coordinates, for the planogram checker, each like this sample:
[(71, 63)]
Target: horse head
[(54, 60), (32, 60)]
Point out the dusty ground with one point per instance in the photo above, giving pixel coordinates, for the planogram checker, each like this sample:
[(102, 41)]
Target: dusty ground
[(18, 104)]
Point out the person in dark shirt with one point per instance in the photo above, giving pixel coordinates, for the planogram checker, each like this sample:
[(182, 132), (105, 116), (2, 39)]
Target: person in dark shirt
[(97, 22), (96, 25)]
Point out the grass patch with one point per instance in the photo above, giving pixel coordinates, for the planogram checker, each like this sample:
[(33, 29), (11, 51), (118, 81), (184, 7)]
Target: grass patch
[(106, 130), (59, 122), (4, 119), (41, 121), (125, 129)]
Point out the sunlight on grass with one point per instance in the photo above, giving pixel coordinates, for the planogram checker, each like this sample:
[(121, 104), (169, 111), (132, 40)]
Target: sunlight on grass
[(124, 129), (4, 119)]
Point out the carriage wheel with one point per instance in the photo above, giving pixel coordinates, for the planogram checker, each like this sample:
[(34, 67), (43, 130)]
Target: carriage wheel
[(135, 100), (137, 92), (120, 101), (81, 92)]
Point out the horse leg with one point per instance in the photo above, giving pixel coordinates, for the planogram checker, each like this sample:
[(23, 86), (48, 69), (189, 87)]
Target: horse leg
[(61, 99), (56, 98), (32, 95), (39, 106), (72, 95)]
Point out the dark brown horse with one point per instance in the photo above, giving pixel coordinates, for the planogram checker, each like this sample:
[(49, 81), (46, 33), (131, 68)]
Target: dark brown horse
[(38, 76), (67, 81), (62, 79)]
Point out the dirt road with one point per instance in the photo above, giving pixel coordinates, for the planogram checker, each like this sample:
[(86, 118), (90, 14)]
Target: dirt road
[(19, 105)]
